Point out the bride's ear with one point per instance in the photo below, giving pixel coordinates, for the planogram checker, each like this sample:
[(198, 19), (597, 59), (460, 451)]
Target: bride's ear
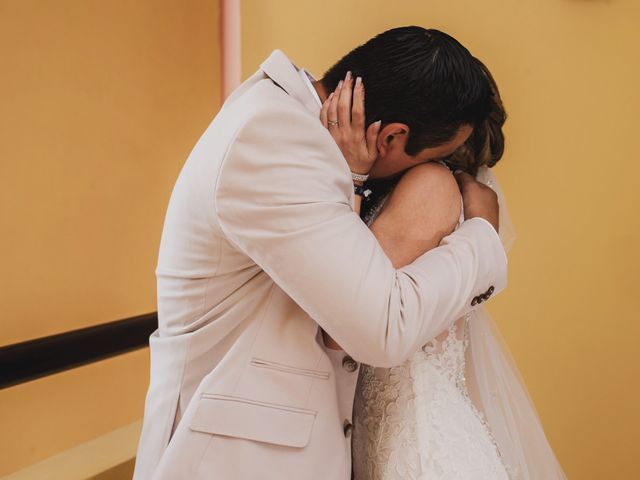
[(389, 134)]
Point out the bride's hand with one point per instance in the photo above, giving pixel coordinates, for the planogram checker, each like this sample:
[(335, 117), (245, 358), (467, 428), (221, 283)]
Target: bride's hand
[(346, 123)]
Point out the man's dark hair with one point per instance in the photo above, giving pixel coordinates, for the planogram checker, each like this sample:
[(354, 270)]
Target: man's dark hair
[(423, 78)]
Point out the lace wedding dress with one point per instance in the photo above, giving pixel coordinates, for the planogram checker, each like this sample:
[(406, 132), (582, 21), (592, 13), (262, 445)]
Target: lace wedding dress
[(417, 421)]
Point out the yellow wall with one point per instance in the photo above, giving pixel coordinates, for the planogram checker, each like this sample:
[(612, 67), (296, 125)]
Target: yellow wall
[(569, 75), (101, 103)]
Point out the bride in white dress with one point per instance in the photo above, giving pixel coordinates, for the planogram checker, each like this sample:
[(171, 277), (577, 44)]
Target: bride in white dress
[(457, 408), (417, 420)]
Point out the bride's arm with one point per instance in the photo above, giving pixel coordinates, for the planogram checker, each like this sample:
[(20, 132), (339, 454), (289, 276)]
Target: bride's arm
[(422, 209)]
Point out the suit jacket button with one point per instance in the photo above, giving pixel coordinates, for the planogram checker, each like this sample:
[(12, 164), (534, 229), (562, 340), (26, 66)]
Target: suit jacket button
[(349, 364), (488, 293), (347, 428)]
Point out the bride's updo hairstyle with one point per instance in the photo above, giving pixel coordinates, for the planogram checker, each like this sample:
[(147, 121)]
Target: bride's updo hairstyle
[(485, 146)]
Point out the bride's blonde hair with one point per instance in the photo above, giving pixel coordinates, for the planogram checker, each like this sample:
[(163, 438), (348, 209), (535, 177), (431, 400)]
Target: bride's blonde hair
[(485, 146)]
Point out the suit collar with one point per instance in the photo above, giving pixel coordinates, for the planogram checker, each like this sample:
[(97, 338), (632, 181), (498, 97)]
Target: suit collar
[(281, 70)]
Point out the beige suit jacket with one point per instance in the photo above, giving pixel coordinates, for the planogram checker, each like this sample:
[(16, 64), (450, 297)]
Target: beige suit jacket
[(261, 247)]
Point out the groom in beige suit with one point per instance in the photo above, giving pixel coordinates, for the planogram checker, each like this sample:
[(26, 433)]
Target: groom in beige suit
[(261, 249)]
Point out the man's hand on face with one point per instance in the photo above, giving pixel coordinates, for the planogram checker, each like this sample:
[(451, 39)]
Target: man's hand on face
[(479, 200)]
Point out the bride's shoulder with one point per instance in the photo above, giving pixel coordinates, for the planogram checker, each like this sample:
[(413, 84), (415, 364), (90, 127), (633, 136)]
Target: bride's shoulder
[(422, 208), (427, 185), (431, 174)]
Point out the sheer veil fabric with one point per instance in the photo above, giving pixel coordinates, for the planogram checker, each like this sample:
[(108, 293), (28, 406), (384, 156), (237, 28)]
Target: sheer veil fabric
[(497, 389)]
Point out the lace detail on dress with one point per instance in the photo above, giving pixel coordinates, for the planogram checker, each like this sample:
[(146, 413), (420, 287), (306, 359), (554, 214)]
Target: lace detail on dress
[(416, 420)]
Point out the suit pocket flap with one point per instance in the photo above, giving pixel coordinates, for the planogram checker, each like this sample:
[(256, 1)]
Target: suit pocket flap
[(253, 420)]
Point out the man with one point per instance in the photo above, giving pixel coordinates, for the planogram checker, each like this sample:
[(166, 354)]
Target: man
[(262, 250)]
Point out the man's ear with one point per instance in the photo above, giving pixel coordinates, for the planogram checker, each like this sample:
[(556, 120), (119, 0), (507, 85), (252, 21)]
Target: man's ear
[(388, 134)]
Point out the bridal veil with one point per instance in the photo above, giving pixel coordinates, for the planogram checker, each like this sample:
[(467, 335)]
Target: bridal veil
[(497, 389)]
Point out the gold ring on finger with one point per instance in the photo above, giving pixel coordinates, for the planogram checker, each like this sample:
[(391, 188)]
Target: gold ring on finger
[(332, 122)]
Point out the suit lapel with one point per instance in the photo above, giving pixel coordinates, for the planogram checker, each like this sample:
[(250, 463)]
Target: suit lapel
[(281, 70)]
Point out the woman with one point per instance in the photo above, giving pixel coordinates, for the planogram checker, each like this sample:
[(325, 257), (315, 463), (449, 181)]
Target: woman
[(456, 409)]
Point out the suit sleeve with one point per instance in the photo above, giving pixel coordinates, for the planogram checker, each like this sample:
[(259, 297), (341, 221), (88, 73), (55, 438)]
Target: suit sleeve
[(283, 197)]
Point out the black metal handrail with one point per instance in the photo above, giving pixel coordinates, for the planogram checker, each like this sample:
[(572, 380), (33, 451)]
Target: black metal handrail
[(24, 361)]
